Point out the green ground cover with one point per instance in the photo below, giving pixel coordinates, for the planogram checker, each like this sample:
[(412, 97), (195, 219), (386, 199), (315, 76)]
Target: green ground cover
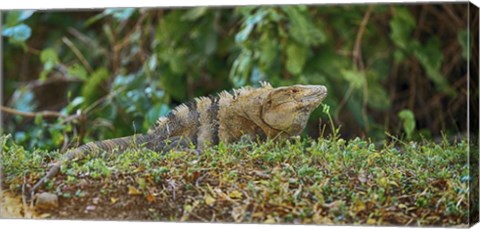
[(300, 180)]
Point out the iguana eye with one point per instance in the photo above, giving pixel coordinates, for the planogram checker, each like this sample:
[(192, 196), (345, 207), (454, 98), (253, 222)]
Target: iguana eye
[(294, 90)]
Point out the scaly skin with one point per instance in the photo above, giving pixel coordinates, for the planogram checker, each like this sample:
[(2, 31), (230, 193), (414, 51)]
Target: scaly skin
[(256, 113)]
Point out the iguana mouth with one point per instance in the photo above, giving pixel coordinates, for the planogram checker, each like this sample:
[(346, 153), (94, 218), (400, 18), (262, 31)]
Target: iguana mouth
[(318, 93)]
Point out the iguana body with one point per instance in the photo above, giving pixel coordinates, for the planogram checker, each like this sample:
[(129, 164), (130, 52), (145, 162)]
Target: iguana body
[(263, 113)]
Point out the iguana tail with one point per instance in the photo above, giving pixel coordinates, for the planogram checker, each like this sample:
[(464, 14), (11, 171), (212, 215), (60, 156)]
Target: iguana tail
[(110, 145)]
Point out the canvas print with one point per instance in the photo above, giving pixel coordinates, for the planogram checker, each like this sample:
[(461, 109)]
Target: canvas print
[(363, 114)]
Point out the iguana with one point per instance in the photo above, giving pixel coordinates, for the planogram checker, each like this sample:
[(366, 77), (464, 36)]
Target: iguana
[(263, 113)]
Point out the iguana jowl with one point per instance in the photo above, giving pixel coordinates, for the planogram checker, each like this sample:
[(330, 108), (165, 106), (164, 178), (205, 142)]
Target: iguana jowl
[(263, 113)]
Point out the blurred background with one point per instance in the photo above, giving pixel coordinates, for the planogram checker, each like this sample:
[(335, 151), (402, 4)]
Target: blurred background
[(76, 76)]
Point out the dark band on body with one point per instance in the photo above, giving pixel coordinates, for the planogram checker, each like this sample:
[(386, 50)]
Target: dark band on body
[(195, 117), (213, 115)]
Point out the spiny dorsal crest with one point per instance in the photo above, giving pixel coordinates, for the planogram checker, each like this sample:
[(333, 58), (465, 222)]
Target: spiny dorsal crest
[(183, 108)]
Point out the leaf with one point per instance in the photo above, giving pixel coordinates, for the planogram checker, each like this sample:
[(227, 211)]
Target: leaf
[(56, 135), (210, 41), (249, 24), (19, 32), (113, 200), (209, 200), (150, 197), (355, 78), (372, 157), (120, 14), (195, 13), (398, 56), (430, 57), (319, 219), (49, 59), (235, 194), (90, 88), (401, 26), (133, 191), (358, 206), (371, 221), (177, 63), (25, 14), (382, 182), (14, 17), (156, 112), (270, 219), (269, 53), (301, 27), (257, 76), (296, 57), (25, 100), (45, 215), (142, 183), (362, 177), (408, 119), (152, 62), (77, 71), (378, 97), (241, 68), (258, 214)]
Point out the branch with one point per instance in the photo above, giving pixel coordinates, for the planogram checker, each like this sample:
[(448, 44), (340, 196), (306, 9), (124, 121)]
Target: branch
[(77, 53), (356, 53), (54, 79), (46, 114), (358, 61)]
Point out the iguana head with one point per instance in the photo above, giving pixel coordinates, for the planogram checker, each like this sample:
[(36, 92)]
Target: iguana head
[(287, 108)]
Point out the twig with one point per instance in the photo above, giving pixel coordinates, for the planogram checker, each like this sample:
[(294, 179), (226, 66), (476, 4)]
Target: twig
[(421, 22), (356, 53), (46, 114), (198, 217), (77, 53), (86, 40), (343, 102), (53, 79), (136, 27), (101, 100), (441, 15), (34, 51), (454, 17), (358, 61)]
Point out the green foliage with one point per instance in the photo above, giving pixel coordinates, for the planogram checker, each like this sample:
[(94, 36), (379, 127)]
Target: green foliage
[(402, 25), (49, 59), (429, 54), (408, 119), (326, 180), (14, 28), (19, 33), (430, 57), (92, 85), (302, 27), (18, 162), (355, 78), (296, 58), (125, 67)]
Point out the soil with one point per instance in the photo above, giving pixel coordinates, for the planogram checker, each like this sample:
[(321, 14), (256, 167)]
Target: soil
[(97, 200)]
